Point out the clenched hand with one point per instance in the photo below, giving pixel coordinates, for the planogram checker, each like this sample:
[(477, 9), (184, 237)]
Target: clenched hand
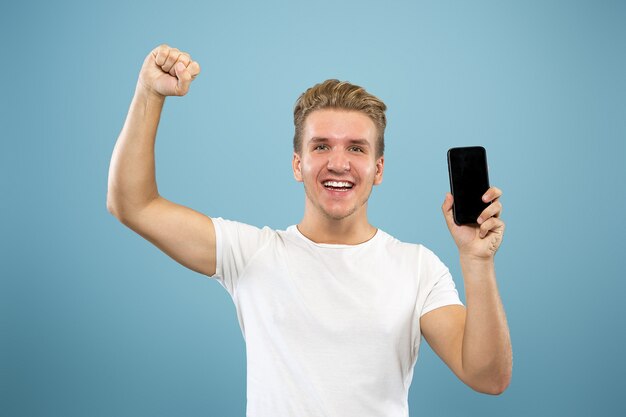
[(166, 71)]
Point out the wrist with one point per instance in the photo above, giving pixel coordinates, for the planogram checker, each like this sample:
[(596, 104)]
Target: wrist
[(474, 265), (471, 258), (145, 92)]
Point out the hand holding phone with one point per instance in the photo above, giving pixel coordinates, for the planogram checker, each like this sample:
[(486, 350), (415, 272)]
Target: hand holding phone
[(469, 180)]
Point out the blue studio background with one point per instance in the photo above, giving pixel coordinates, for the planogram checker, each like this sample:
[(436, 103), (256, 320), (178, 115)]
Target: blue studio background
[(95, 321)]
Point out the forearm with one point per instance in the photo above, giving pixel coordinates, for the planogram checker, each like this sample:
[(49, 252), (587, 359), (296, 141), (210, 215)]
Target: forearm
[(486, 355), (132, 181)]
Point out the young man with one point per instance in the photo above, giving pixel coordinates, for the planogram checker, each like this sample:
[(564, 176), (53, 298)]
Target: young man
[(332, 309)]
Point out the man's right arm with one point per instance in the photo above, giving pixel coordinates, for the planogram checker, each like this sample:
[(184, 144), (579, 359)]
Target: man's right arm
[(185, 235)]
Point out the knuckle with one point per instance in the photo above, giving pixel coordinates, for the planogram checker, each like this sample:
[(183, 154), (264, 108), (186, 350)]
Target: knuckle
[(161, 48), (162, 56)]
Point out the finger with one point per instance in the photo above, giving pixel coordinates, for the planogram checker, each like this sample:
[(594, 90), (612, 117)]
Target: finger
[(491, 225), (172, 57), (446, 208), (194, 69), (184, 79), (493, 210), (491, 194), (184, 58), (160, 54)]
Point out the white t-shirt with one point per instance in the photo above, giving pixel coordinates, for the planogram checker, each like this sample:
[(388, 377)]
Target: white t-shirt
[(330, 330)]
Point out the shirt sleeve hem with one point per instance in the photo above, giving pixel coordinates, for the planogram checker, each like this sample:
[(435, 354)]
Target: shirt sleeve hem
[(440, 304), (218, 247)]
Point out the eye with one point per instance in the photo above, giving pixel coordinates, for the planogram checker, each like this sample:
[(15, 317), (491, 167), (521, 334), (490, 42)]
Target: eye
[(355, 149), (320, 147)]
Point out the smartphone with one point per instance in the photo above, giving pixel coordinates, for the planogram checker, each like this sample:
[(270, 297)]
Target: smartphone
[(469, 180)]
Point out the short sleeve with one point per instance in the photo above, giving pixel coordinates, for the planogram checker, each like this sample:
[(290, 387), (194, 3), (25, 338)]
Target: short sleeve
[(236, 244), (442, 292)]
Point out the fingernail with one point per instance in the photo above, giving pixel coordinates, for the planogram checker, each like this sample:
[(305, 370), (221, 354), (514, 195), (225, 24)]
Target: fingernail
[(485, 198), (480, 220)]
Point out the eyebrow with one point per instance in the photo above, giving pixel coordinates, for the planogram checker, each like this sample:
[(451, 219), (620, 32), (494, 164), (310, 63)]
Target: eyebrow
[(361, 142)]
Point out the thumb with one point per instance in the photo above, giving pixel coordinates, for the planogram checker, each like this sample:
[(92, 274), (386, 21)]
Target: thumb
[(446, 208), (184, 79)]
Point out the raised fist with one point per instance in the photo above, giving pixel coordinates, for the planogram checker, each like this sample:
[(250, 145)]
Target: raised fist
[(167, 71)]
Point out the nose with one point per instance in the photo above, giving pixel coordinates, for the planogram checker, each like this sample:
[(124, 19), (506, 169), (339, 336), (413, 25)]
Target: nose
[(338, 161)]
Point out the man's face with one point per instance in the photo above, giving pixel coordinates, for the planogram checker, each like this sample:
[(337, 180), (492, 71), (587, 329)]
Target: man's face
[(338, 163)]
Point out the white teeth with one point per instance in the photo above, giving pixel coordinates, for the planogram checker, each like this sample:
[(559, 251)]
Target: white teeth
[(337, 184)]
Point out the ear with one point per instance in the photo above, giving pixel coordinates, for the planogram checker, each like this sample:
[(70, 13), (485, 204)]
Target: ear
[(380, 167), (296, 165)]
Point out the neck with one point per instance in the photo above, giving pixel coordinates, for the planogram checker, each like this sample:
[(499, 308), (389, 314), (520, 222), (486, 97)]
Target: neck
[(347, 231)]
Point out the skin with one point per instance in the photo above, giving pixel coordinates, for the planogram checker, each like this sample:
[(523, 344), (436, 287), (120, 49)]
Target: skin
[(185, 235), (338, 145), (473, 341)]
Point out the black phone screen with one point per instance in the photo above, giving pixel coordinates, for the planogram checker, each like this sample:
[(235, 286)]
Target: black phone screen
[(469, 180)]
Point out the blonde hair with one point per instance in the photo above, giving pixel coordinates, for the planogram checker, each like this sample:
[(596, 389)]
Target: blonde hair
[(335, 94)]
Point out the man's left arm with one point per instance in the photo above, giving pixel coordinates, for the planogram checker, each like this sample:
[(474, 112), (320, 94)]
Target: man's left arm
[(474, 341)]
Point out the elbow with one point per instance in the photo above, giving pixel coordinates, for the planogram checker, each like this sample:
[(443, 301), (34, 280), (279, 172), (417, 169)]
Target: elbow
[(111, 208), (495, 385), (493, 378), (123, 210), (114, 208), (498, 388)]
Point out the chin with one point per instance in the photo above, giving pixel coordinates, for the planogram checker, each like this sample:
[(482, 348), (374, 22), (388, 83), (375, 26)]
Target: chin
[(338, 214)]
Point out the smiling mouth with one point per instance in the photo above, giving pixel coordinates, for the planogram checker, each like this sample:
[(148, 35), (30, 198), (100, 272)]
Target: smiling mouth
[(338, 185)]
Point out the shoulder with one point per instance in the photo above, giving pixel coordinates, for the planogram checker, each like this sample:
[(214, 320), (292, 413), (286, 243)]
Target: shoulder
[(240, 227), (397, 246), (416, 253), (230, 232)]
